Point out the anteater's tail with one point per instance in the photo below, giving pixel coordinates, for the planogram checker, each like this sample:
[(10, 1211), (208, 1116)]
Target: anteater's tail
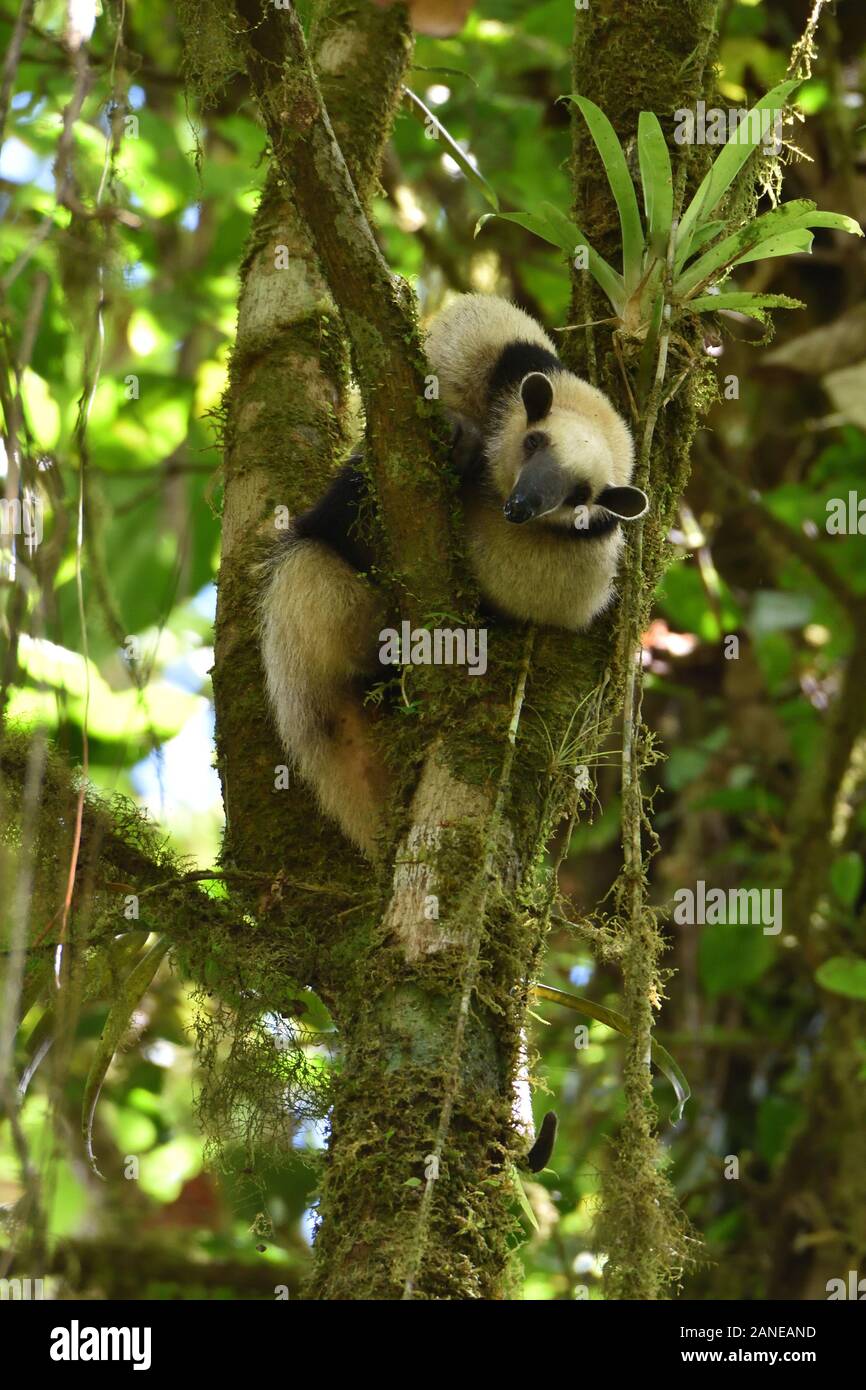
[(318, 627)]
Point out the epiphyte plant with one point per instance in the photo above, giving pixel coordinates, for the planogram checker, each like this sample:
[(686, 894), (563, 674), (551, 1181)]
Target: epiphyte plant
[(680, 262)]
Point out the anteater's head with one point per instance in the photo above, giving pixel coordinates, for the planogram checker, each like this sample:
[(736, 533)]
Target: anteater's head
[(559, 452)]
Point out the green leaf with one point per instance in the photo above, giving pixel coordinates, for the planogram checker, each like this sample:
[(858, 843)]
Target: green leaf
[(846, 877), (561, 232), (657, 181), (706, 233), (843, 975), (726, 167), (522, 1198), (569, 237), (794, 243), (135, 985), (611, 1019), (622, 187), (739, 244), (456, 153), (838, 221), (567, 232), (732, 955), (741, 301)]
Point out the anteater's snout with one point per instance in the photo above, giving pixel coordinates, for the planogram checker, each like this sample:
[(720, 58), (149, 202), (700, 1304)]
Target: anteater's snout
[(522, 507), (540, 488)]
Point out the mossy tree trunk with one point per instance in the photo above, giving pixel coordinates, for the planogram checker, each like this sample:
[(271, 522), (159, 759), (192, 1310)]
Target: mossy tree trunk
[(640, 1227), (285, 423), (427, 971)]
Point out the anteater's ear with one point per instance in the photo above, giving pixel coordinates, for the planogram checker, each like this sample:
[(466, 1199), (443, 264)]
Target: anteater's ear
[(537, 395), (628, 503)]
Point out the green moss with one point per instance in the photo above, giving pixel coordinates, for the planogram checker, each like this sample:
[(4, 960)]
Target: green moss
[(211, 53), (408, 1059), (348, 40), (640, 1228)]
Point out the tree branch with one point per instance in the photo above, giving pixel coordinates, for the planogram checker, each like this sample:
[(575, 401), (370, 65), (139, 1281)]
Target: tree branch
[(374, 306)]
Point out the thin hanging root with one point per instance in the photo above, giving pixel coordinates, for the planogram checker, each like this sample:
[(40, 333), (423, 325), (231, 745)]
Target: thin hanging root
[(617, 347), (638, 1145), (135, 985)]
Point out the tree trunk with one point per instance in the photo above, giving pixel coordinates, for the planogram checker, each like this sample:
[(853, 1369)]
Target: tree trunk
[(427, 976)]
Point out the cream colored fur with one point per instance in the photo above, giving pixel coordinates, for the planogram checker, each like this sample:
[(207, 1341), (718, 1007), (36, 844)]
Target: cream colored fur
[(320, 620), (464, 341), (319, 625), (536, 572)]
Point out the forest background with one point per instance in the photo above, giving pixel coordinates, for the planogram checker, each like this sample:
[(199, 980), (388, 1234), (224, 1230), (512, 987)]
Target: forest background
[(127, 205)]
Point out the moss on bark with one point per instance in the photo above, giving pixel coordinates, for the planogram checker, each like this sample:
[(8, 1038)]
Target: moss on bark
[(640, 1228), (402, 1015)]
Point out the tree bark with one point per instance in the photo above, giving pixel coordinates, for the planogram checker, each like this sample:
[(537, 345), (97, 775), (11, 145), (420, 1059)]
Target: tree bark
[(285, 425), (429, 983), (640, 1227)]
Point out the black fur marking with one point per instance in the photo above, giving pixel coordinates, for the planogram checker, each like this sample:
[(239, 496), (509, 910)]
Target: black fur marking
[(579, 495), (600, 525), (333, 520), (515, 362), (539, 1155), (536, 392), (536, 440)]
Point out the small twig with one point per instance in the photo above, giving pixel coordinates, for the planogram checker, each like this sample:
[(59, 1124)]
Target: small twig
[(226, 875), (11, 61)]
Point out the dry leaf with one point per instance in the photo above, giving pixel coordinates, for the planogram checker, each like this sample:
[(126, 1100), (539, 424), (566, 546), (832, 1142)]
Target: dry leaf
[(837, 344)]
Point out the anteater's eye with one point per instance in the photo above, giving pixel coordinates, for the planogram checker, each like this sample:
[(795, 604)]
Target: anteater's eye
[(535, 440)]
